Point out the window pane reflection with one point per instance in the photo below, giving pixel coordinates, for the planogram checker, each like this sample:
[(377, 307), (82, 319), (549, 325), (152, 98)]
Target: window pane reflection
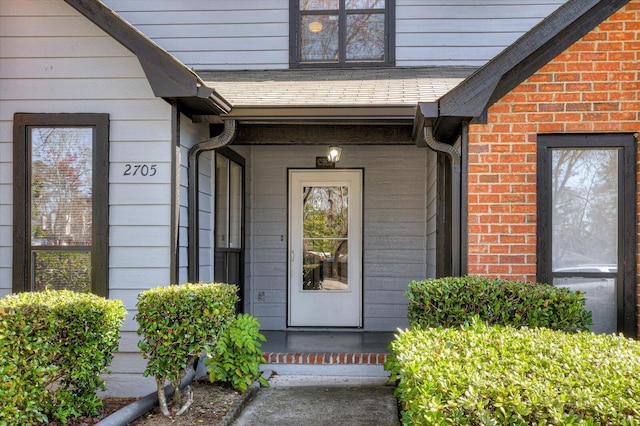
[(600, 296), (61, 186), (365, 37), (325, 236), (235, 205), (319, 4), (365, 4), (222, 201), (61, 270), (319, 38), (585, 207)]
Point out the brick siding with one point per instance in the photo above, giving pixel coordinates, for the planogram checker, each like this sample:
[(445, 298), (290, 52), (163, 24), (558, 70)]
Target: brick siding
[(592, 87)]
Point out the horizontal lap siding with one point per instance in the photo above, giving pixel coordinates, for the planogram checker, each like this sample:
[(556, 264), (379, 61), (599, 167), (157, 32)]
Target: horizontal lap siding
[(462, 32), (53, 60), (191, 134), (253, 34), (394, 228), (215, 34)]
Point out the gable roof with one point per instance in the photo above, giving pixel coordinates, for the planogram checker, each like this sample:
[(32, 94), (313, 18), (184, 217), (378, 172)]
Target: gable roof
[(470, 99), (169, 78)]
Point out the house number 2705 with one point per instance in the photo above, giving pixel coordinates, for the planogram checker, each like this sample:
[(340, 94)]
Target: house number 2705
[(140, 169)]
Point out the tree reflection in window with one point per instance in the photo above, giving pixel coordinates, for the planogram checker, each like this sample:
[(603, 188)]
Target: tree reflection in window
[(325, 238), (340, 31), (61, 207), (585, 206)]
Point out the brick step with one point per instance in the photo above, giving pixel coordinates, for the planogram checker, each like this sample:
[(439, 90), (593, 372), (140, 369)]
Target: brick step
[(322, 358)]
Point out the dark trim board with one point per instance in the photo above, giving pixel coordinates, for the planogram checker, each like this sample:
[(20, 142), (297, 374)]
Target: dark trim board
[(290, 134), (168, 77), (519, 61)]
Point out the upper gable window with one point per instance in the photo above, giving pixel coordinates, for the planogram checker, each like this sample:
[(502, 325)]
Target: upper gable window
[(341, 32)]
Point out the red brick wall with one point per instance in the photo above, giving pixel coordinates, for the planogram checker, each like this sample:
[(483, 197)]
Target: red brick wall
[(592, 87)]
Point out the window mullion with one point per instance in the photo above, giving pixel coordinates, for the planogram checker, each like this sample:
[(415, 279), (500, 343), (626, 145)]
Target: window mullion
[(342, 33)]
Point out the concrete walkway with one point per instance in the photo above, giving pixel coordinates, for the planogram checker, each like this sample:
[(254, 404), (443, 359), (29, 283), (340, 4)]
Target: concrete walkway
[(322, 400)]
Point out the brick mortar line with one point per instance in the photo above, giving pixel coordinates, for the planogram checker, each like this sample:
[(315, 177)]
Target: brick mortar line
[(321, 358)]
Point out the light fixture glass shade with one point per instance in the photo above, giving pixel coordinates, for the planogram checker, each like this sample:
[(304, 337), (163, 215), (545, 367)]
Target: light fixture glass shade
[(334, 153)]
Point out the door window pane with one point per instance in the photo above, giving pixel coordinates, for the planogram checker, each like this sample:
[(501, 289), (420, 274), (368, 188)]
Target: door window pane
[(325, 236), (585, 207)]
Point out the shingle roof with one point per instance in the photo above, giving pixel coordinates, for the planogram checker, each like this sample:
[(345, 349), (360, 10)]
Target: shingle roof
[(339, 87)]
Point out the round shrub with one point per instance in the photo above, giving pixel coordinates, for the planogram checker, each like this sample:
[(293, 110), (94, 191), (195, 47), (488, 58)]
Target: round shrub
[(496, 375), (53, 347), (178, 324)]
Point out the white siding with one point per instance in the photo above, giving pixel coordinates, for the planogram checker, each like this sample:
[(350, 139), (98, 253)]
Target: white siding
[(462, 32), (254, 34), (394, 228), (53, 60)]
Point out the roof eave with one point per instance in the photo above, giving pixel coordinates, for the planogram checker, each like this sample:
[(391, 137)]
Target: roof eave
[(523, 58), (168, 77)]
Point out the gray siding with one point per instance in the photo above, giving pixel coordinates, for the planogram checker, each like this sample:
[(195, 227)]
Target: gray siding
[(53, 60), (254, 34), (215, 34), (394, 228), (191, 134), (462, 32)]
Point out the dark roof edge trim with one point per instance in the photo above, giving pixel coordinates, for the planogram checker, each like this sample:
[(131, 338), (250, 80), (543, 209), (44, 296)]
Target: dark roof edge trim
[(526, 55), (317, 113), (169, 78)]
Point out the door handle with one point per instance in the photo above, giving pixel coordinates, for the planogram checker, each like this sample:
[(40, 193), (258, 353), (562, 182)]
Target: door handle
[(293, 255)]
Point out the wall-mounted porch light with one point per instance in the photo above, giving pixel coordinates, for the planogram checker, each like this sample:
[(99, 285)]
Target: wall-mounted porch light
[(333, 154)]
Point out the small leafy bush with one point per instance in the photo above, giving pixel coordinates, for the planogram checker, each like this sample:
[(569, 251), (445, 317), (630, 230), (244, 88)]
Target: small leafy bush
[(53, 347), (178, 324), (452, 301), (237, 355), (496, 375)]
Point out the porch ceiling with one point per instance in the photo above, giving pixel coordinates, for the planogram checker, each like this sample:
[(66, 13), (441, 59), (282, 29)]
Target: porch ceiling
[(372, 94)]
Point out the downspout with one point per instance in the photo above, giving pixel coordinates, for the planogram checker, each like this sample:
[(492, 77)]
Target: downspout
[(455, 158), (224, 138)]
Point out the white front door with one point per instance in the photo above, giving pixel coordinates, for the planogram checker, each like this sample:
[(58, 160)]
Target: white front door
[(325, 243)]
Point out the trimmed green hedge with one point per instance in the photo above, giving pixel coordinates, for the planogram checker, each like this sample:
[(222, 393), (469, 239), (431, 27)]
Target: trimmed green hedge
[(53, 347), (449, 302), (178, 324), (495, 375)]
